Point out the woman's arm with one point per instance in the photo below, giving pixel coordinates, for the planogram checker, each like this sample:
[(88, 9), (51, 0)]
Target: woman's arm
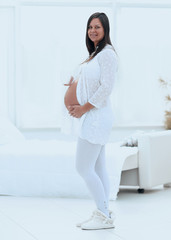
[(108, 65)]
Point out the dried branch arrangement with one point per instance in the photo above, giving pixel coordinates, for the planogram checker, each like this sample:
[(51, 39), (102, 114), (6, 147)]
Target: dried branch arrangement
[(167, 86)]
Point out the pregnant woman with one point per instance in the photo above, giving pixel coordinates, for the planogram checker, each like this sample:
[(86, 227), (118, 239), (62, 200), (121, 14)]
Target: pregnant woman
[(87, 99)]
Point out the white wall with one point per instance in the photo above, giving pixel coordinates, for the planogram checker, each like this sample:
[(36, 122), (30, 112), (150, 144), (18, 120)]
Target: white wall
[(143, 40), (43, 41)]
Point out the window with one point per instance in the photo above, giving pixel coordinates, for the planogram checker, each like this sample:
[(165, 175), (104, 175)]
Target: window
[(144, 49)]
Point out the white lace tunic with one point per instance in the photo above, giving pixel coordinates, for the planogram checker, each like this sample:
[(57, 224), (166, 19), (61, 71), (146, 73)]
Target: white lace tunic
[(95, 84)]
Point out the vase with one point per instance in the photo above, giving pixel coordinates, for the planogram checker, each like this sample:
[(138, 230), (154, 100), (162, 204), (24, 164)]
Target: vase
[(167, 122)]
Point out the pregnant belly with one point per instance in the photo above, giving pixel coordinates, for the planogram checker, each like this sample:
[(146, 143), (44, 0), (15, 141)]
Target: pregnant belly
[(70, 95)]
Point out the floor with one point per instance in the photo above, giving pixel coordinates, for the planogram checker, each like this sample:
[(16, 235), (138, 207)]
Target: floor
[(138, 217)]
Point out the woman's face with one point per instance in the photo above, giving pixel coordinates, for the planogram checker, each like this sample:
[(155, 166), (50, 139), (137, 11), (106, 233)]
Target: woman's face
[(95, 31)]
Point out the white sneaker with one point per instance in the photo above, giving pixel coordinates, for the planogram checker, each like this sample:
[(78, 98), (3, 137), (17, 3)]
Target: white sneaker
[(98, 221), (111, 215)]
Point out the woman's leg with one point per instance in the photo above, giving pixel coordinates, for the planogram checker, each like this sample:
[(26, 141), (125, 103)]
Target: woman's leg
[(101, 171), (86, 158)]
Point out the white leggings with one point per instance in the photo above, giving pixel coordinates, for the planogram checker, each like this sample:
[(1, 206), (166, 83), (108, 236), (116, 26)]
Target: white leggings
[(90, 164)]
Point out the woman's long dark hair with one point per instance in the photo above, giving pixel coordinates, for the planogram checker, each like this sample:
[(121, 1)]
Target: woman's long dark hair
[(106, 39)]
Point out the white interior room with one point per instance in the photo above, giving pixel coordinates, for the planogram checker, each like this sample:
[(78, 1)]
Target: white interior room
[(42, 43)]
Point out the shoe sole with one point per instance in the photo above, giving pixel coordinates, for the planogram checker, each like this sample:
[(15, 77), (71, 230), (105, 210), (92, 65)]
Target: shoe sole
[(79, 225), (98, 228)]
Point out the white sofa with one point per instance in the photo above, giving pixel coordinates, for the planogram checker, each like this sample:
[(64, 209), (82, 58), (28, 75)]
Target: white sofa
[(47, 168), (154, 161)]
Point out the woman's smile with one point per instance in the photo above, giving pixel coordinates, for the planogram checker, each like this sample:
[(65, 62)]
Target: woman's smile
[(95, 31)]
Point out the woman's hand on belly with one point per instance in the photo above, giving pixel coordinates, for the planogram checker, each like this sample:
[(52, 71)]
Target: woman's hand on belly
[(78, 110)]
